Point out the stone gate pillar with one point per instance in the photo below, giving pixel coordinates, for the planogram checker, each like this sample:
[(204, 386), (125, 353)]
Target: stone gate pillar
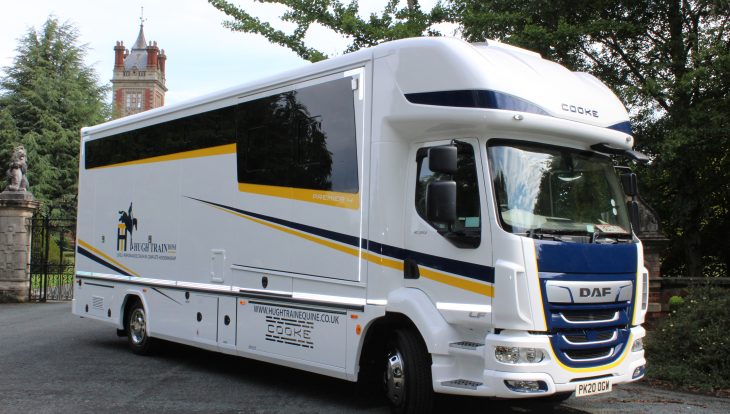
[(654, 243), (16, 209)]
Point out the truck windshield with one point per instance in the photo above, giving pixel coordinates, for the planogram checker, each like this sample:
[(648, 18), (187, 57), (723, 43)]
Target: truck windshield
[(557, 193)]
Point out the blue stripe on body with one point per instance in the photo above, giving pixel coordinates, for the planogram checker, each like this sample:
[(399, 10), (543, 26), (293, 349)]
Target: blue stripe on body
[(466, 269), (487, 99), (624, 126)]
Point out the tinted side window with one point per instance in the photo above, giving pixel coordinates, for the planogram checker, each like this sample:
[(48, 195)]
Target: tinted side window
[(466, 232), (304, 138), (208, 129)]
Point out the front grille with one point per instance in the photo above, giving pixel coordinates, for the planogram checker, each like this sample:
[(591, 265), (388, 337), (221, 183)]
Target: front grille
[(587, 334), (589, 315), (576, 338), (604, 336), (588, 354)]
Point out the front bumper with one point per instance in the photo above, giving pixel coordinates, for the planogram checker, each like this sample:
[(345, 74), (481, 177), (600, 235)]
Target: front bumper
[(554, 377)]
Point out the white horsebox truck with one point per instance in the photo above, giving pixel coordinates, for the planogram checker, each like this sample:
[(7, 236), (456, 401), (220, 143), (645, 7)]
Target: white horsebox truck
[(436, 215)]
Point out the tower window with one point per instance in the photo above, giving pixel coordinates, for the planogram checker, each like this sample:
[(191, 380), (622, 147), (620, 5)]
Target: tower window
[(133, 102)]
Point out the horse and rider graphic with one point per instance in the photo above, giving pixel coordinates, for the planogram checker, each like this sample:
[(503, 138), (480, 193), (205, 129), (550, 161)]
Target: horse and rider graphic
[(130, 224)]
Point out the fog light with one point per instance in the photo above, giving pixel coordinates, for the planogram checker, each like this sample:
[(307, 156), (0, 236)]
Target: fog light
[(638, 345), (639, 372), (526, 386), (508, 355)]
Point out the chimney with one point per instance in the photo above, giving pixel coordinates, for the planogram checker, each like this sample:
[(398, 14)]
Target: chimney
[(161, 59), (119, 55), (152, 52)]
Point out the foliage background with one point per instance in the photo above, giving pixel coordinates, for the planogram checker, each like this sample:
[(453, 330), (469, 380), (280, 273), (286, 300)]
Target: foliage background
[(689, 347), (46, 96), (668, 61)]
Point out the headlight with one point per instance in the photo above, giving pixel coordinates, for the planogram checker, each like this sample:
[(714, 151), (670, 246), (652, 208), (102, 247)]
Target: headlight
[(515, 355), (638, 345)]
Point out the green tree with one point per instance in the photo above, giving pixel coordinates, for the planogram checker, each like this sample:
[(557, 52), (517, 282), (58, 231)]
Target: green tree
[(669, 60), (392, 23), (46, 96)]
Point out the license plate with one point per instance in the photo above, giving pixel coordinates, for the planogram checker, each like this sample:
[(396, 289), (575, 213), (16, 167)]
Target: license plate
[(593, 387)]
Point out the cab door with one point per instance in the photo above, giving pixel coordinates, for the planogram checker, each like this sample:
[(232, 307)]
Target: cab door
[(450, 261)]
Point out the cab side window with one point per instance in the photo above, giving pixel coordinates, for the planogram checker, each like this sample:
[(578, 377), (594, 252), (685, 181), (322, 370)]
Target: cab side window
[(466, 231)]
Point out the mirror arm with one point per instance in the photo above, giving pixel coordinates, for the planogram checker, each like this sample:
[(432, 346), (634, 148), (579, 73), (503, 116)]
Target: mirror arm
[(633, 154)]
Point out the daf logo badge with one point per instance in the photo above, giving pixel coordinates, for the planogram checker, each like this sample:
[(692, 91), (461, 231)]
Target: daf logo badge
[(595, 292)]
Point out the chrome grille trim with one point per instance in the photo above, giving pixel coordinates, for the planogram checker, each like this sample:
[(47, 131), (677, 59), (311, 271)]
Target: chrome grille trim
[(613, 319), (609, 354), (587, 343)]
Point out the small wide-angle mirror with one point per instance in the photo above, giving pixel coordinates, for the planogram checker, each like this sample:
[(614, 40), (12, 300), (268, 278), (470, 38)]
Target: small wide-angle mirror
[(441, 202), (630, 184)]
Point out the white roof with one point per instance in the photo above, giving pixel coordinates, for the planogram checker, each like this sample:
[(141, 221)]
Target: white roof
[(446, 64)]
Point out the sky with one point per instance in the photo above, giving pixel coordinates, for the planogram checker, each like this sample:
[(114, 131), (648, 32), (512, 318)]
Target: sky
[(202, 55)]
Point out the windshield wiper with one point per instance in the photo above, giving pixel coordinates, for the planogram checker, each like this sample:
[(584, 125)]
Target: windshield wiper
[(612, 238), (559, 234)]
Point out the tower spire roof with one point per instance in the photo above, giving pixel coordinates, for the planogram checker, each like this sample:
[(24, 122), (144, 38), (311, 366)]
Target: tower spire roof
[(141, 43), (137, 58)]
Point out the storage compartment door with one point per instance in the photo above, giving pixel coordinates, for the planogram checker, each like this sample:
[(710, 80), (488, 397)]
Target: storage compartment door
[(227, 323), (204, 318)]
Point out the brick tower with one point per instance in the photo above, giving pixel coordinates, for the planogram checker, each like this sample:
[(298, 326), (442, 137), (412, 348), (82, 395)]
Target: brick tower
[(138, 83)]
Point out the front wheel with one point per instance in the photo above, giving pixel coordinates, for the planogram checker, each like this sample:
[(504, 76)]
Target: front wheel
[(137, 335), (407, 375)]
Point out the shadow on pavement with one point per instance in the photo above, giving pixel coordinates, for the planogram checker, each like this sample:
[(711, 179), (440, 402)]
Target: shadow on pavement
[(330, 391)]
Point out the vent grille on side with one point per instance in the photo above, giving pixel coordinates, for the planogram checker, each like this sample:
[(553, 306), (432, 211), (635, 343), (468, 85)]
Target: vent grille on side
[(97, 303)]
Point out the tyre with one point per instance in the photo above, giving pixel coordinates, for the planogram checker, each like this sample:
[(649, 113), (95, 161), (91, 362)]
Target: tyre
[(407, 374), (137, 334)]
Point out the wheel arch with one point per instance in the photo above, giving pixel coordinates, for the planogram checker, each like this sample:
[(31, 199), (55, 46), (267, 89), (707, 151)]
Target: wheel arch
[(130, 297), (407, 308)]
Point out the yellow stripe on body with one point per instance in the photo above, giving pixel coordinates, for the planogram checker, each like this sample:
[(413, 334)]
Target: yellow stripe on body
[(104, 255), (328, 198), (637, 296), (330, 244), (205, 152), (383, 261), (475, 287)]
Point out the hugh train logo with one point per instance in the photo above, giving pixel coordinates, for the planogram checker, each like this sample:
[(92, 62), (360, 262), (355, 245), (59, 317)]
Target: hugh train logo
[(127, 224), (126, 246)]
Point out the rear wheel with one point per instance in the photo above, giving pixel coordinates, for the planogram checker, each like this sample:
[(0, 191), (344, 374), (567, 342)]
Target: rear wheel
[(137, 334), (407, 374)]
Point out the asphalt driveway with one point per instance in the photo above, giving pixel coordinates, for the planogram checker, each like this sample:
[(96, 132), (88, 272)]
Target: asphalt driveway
[(54, 362)]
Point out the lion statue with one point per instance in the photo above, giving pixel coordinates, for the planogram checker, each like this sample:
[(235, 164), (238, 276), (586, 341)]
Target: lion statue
[(17, 170)]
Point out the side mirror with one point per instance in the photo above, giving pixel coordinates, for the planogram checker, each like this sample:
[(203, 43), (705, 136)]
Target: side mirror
[(441, 202), (630, 184), (442, 159), (633, 208)]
